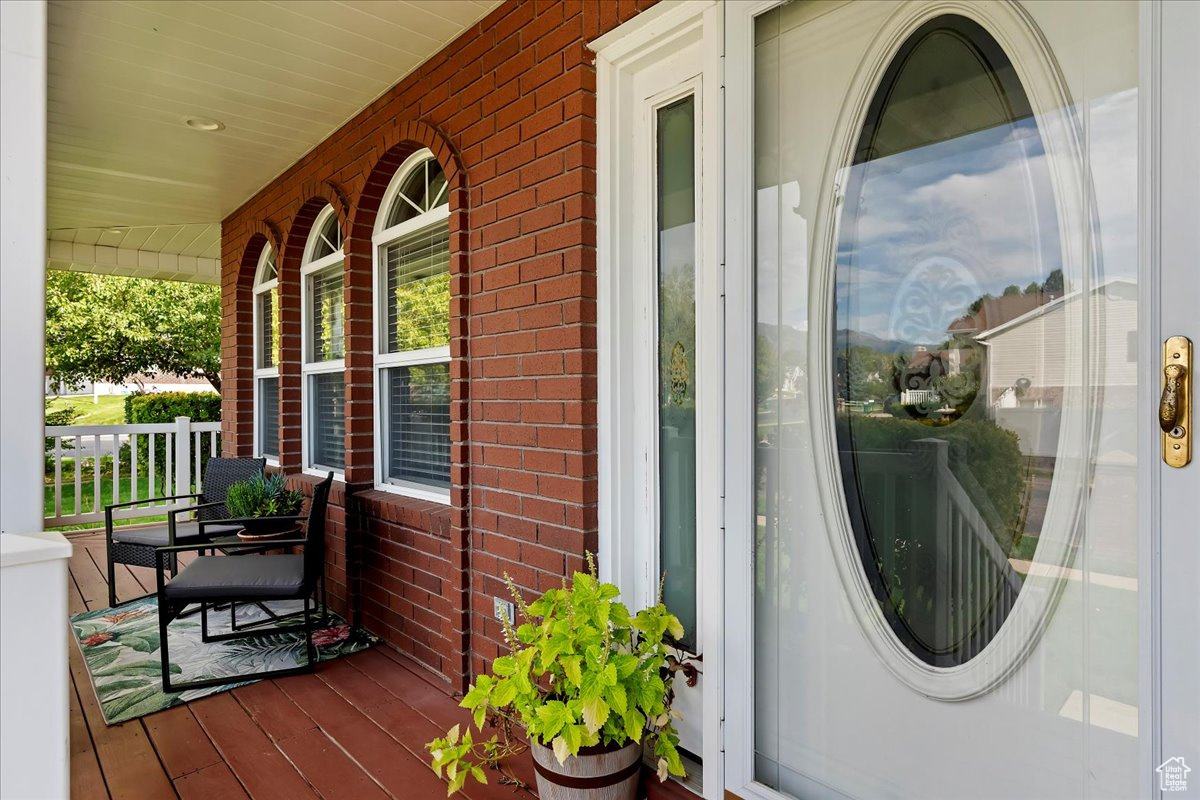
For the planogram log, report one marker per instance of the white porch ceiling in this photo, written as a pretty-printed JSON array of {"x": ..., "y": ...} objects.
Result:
[{"x": 128, "y": 180}]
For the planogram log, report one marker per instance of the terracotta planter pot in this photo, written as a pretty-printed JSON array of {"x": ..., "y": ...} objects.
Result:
[{"x": 597, "y": 773}]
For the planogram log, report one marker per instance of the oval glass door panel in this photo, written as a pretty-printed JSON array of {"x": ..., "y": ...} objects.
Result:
[{"x": 948, "y": 377}]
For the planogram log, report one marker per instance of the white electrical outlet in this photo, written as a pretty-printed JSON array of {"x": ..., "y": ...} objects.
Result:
[{"x": 504, "y": 610}]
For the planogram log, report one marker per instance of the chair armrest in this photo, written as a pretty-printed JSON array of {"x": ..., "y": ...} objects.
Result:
[
  {"x": 188, "y": 509},
  {"x": 185, "y": 548},
  {"x": 149, "y": 500},
  {"x": 242, "y": 520}
]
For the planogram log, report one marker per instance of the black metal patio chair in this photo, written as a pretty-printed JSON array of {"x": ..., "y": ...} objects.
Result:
[
  {"x": 214, "y": 580},
  {"x": 135, "y": 546}
]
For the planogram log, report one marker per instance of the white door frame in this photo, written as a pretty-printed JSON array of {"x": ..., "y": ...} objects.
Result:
[
  {"x": 1170, "y": 194},
  {"x": 627, "y": 505},
  {"x": 1169, "y": 503}
]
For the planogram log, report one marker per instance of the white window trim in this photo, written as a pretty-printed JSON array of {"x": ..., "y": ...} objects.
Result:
[
  {"x": 262, "y": 287},
  {"x": 381, "y": 238},
  {"x": 654, "y": 40},
  {"x": 308, "y": 367}
]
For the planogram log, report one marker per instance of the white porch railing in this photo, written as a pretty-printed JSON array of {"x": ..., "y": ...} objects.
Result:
[{"x": 80, "y": 446}]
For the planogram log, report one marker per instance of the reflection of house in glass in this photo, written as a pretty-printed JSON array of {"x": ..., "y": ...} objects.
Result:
[{"x": 1029, "y": 366}]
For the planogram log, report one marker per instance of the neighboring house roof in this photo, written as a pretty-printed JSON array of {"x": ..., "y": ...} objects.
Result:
[
  {"x": 994, "y": 311},
  {"x": 1117, "y": 285}
]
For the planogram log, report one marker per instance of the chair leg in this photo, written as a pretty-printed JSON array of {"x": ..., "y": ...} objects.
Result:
[
  {"x": 204, "y": 622},
  {"x": 112, "y": 578},
  {"x": 308, "y": 638},
  {"x": 163, "y": 622}
]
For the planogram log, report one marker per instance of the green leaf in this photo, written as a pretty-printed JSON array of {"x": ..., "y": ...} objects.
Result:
[
  {"x": 571, "y": 668},
  {"x": 504, "y": 666},
  {"x": 595, "y": 713},
  {"x": 617, "y": 698},
  {"x": 504, "y": 693},
  {"x": 478, "y": 775},
  {"x": 561, "y": 749},
  {"x": 134, "y": 668},
  {"x": 452, "y": 735},
  {"x": 635, "y": 723}
]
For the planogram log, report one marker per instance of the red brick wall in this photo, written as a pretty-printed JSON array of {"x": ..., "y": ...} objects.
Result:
[{"x": 509, "y": 109}]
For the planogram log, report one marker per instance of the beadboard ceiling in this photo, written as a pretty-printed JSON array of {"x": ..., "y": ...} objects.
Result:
[{"x": 125, "y": 171}]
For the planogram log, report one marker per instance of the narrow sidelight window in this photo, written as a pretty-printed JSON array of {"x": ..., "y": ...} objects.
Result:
[
  {"x": 412, "y": 312},
  {"x": 676, "y": 226}
]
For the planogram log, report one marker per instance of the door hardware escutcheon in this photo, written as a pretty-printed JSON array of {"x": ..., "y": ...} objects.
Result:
[{"x": 1175, "y": 406}]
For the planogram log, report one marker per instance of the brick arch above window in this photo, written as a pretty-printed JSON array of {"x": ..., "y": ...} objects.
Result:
[
  {"x": 262, "y": 233},
  {"x": 394, "y": 144},
  {"x": 318, "y": 195}
]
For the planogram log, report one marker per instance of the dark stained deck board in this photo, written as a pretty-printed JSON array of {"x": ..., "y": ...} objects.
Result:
[
  {"x": 374, "y": 747},
  {"x": 259, "y": 765},
  {"x": 130, "y": 764},
  {"x": 214, "y": 782},
  {"x": 182, "y": 744},
  {"x": 356, "y": 728},
  {"x": 87, "y": 781}
]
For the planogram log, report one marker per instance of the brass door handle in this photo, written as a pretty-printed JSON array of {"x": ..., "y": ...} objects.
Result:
[
  {"x": 1168, "y": 406},
  {"x": 1175, "y": 405}
]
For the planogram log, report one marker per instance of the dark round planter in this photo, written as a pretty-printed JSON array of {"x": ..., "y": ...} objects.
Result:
[
  {"x": 597, "y": 773},
  {"x": 267, "y": 526}
]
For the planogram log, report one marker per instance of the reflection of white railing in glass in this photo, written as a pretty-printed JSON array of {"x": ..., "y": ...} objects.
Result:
[{"x": 112, "y": 453}]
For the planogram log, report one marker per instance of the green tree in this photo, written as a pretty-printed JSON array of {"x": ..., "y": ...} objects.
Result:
[
  {"x": 107, "y": 328},
  {"x": 1011, "y": 290}
]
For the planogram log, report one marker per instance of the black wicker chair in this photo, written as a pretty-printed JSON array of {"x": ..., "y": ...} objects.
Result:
[
  {"x": 135, "y": 546},
  {"x": 228, "y": 580}
]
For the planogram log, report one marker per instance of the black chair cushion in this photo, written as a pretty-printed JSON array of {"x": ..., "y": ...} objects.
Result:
[
  {"x": 248, "y": 577},
  {"x": 185, "y": 533}
]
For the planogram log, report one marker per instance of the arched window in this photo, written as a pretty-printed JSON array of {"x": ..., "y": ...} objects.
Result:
[
  {"x": 412, "y": 331},
  {"x": 266, "y": 356},
  {"x": 324, "y": 365}
]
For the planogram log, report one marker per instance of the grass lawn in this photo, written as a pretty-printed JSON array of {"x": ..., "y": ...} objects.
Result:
[
  {"x": 106, "y": 487},
  {"x": 110, "y": 410}
]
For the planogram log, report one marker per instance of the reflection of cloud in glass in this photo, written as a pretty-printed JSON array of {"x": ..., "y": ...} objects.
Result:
[{"x": 981, "y": 202}]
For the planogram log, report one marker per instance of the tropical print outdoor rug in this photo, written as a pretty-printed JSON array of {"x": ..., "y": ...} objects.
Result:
[{"x": 121, "y": 649}]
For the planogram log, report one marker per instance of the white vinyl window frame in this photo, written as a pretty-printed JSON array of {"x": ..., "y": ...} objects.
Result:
[
  {"x": 266, "y": 280},
  {"x": 662, "y": 55},
  {"x": 309, "y": 366},
  {"x": 380, "y": 240}
]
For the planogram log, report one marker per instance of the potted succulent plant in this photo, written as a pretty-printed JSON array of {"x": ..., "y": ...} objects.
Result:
[
  {"x": 588, "y": 681},
  {"x": 261, "y": 501}
]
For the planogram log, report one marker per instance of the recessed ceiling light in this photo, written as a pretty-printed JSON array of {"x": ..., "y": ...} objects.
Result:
[
  {"x": 204, "y": 124},
  {"x": 114, "y": 230}
]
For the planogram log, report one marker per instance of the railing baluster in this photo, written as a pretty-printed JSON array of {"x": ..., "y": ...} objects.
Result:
[
  {"x": 77, "y": 506},
  {"x": 151, "y": 476},
  {"x": 96, "y": 472},
  {"x": 58, "y": 476},
  {"x": 212, "y": 444},
  {"x": 169, "y": 472},
  {"x": 133, "y": 471},
  {"x": 196, "y": 456},
  {"x": 116, "y": 476}
]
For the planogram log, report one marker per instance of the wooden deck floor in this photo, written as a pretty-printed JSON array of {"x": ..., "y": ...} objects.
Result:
[{"x": 354, "y": 729}]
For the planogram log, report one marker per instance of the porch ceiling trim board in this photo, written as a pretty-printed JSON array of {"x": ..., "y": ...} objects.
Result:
[{"x": 105, "y": 260}]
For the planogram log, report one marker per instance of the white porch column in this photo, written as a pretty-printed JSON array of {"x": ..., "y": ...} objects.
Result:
[{"x": 22, "y": 262}]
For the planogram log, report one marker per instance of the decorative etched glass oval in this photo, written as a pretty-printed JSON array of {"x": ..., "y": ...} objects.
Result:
[{"x": 948, "y": 374}]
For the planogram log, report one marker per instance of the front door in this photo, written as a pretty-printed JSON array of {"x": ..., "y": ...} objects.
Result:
[{"x": 940, "y": 575}]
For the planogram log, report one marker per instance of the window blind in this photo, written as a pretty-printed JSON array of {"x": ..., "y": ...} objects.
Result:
[
  {"x": 418, "y": 408},
  {"x": 327, "y": 420},
  {"x": 418, "y": 290},
  {"x": 268, "y": 416},
  {"x": 268, "y": 329},
  {"x": 327, "y": 333}
]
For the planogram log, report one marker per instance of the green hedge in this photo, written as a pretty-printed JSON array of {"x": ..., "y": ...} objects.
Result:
[
  {"x": 142, "y": 408},
  {"x": 159, "y": 407}
]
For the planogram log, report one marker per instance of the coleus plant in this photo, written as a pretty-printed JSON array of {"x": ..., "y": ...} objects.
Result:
[{"x": 582, "y": 671}]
